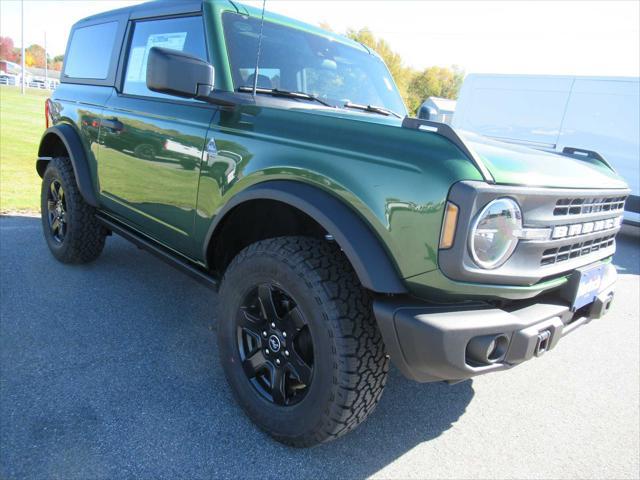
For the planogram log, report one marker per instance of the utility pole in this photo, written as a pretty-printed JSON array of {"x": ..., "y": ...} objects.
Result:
[
  {"x": 46, "y": 63},
  {"x": 24, "y": 71}
]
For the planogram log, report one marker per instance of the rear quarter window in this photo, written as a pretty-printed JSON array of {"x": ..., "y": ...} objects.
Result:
[{"x": 90, "y": 51}]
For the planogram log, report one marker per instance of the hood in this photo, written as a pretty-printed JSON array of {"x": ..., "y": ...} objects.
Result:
[
  {"x": 509, "y": 164},
  {"x": 517, "y": 165}
]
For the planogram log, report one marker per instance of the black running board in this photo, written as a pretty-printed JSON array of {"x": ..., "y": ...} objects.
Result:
[{"x": 161, "y": 252}]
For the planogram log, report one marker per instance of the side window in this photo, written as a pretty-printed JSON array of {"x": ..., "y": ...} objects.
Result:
[
  {"x": 185, "y": 34},
  {"x": 90, "y": 51}
]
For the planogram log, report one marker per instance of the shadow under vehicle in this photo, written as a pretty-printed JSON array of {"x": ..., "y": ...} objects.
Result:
[{"x": 275, "y": 162}]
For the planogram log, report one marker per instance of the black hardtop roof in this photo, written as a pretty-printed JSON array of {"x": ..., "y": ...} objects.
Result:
[{"x": 147, "y": 9}]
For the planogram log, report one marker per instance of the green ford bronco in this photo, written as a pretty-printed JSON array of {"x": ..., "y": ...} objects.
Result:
[{"x": 276, "y": 163}]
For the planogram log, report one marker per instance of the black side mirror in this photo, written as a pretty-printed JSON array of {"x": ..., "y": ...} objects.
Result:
[{"x": 177, "y": 73}]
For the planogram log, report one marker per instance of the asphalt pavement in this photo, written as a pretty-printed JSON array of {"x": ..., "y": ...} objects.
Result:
[{"x": 110, "y": 370}]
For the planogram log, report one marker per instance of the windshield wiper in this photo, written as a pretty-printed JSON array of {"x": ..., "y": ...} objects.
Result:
[
  {"x": 276, "y": 92},
  {"x": 371, "y": 108}
]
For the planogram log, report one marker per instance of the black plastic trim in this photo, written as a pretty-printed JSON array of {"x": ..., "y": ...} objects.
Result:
[
  {"x": 72, "y": 143},
  {"x": 428, "y": 342},
  {"x": 450, "y": 134},
  {"x": 179, "y": 74},
  {"x": 161, "y": 252},
  {"x": 582, "y": 153},
  {"x": 360, "y": 244},
  {"x": 632, "y": 204},
  {"x": 166, "y": 8}
]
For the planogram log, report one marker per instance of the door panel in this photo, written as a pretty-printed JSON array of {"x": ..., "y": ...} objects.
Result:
[
  {"x": 151, "y": 144},
  {"x": 149, "y": 164}
]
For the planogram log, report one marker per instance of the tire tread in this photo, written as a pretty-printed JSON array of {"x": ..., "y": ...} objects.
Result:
[
  {"x": 360, "y": 361},
  {"x": 85, "y": 235}
]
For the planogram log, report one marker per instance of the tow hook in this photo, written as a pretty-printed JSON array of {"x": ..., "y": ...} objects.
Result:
[{"x": 544, "y": 339}]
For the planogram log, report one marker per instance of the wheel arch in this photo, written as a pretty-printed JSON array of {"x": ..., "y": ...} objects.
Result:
[
  {"x": 362, "y": 247},
  {"x": 63, "y": 140}
]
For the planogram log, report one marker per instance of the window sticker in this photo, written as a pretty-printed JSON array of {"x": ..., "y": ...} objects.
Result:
[
  {"x": 137, "y": 71},
  {"x": 174, "y": 41}
]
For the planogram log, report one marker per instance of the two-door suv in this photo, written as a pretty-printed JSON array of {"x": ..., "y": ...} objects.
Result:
[{"x": 276, "y": 162}]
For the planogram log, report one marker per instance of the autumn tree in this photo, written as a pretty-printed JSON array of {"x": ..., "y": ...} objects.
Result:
[
  {"x": 7, "y": 50},
  {"x": 35, "y": 56},
  {"x": 401, "y": 74},
  {"x": 415, "y": 86},
  {"x": 56, "y": 63}
]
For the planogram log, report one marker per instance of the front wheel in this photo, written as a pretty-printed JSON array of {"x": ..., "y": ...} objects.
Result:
[{"x": 298, "y": 341}]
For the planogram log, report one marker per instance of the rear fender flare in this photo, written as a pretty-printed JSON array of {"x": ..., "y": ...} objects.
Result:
[{"x": 73, "y": 145}]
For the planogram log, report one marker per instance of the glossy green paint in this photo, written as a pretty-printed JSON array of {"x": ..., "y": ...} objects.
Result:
[
  {"x": 149, "y": 170},
  {"x": 396, "y": 179},
  {"x": 177, "y": 163},
  {"x": 516, "y": 165},
  {"x": 81, "y": 107}
]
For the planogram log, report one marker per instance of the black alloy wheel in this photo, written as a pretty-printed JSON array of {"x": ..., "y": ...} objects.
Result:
[
  {"x": 57, "y": 211},
  {"x": 70, "y": 226},
  {"x": 298, "y": 341},
  {"x": 275, "y": 345}
]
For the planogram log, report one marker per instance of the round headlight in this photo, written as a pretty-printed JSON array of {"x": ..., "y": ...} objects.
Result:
[{"x": 494, "y": 234}]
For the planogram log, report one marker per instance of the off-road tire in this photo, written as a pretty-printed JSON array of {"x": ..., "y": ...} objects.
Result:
[
  {"x": 350, "y": 363},
  {"x": 85, "y": 237}
]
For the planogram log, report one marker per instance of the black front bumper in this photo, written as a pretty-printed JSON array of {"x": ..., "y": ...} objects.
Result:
[{"x": 432, "y": 342}]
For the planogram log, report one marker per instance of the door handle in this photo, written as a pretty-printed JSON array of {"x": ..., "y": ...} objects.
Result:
[{"x": 112, "y": 124}]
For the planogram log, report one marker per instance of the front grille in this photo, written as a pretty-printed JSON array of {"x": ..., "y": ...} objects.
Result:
[
  {"x": 561, "y": 254},
  {"x": 563, "y": 229},
  {"x": 578, "y": 206}
]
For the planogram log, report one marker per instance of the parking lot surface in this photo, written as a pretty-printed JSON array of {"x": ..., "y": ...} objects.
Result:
[{"x": 110, "y": 370}]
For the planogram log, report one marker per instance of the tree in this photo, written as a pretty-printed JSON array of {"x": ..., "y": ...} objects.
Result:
[
  {"x": 7, "y": 50},
  {"x": 34, "y": 56},
  {"x": 415, "y": 86},
  {"x": 434, "y": 82},
  {"x": 401, "y": 74},
  {"x": 56, "y": 63}
]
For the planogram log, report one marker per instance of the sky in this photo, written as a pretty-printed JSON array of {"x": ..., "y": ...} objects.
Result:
[{"x": 600, "y": 38}]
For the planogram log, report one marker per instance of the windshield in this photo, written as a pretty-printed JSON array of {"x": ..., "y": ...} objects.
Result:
[{"x": 295, "y": 60}]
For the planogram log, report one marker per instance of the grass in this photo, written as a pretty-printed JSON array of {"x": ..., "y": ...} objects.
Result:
[{"x": 21, "y": 126}]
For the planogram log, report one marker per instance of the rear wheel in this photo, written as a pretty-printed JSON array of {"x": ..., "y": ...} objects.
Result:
[
  {"x": 70, "y": 226},
  {"x": 298, "y": 341}
]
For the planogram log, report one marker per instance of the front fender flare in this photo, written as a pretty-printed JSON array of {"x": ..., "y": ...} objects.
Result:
[
  {"x": 363, "y": 248},
  {"x": 72, "y": 143}
]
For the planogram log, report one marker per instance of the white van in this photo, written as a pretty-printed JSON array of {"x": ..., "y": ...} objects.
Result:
[{"x": 587, "y": 116}]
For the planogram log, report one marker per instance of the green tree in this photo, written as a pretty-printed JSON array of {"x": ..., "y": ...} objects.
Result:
[
  {"x": 434, "y": 82},
  {"x": 415, "y": 86}
]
